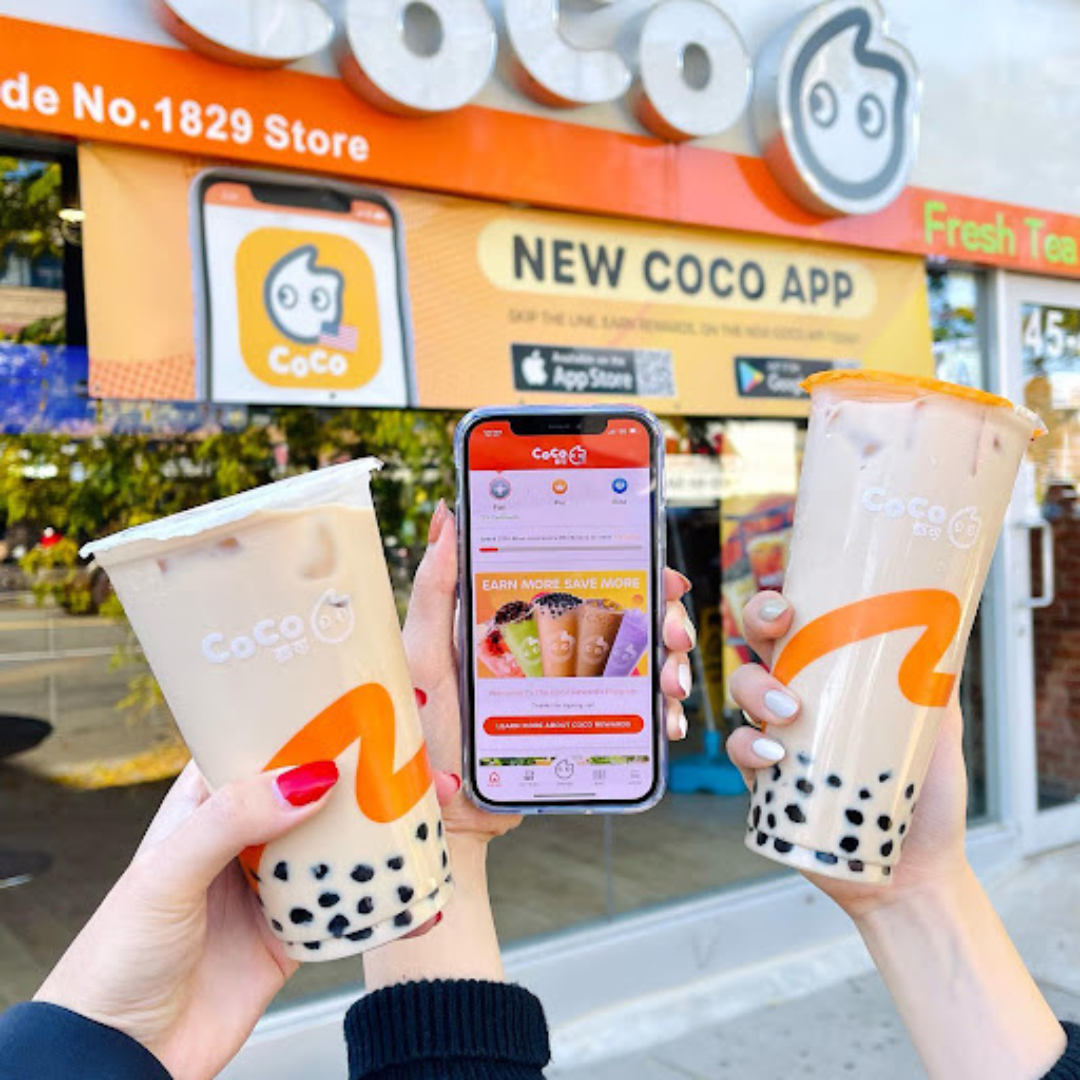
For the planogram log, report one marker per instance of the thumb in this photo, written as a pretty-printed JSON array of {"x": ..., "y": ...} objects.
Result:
[
  {"x": 429, "y": 625},
  {"x": 242, "y": 814}
]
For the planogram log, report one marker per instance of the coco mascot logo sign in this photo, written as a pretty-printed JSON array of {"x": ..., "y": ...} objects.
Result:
[
  {"x": 835, "y": 102},
  {"x": 837, "y": 110}
]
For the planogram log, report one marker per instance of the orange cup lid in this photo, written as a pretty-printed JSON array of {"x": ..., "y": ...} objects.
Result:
[{"x": 924, "y": 384}]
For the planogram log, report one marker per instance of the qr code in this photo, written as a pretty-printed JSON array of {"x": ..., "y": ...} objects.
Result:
[{"x": 655, "y": 375}]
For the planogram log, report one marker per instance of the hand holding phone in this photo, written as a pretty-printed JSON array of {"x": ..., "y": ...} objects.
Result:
[{"x": 562, "y": 604}]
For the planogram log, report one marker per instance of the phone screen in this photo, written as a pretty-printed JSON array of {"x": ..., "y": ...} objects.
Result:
[
  {"x": 302, "y": 296},
  {"x": 560, "y": 542}
]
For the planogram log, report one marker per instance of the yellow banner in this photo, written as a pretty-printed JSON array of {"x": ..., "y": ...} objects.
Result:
[{"x": 244, "y": 286}]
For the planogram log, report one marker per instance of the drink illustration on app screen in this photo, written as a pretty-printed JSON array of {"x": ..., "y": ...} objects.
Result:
[{"x": 561, "y": 619}]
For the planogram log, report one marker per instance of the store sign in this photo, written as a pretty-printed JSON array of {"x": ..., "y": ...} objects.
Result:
[
  {"x": 835, "y": 105},
  {"x": 318, "y": 292}
]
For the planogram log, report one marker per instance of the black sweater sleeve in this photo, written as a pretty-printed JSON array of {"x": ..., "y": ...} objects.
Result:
[
  {"x": 46, "y": 1042},
  {"x": 1068, "y": 1068},
  {"x": 447, "y": 1030}
]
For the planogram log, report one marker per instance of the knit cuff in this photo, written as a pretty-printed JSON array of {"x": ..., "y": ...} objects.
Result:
[
  {"x": 483, "y": 1029},
  {"x": 1068, "y": 1066}
]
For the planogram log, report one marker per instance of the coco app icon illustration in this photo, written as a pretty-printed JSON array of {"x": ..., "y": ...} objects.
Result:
[
  {"x": 308, "y": 310},
  {"x": 836, "y": 109}
]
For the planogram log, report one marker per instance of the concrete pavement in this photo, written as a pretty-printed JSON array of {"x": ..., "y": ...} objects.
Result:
[{"x": 849, "y": 1027}]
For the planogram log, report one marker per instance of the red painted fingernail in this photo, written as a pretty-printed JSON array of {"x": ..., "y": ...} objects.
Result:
[
  {"x": 457, "y": 780},
  {"x": 437, "y": 521},
  {"x": 438, "y": 919},
  {"x": 421, "y": 697},
  {"x": 307, "y": 783}
]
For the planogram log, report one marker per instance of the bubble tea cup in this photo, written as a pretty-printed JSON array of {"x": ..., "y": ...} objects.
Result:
[
  {"x": 269, "y": 622},
  {"x": 904, "y": 486}
]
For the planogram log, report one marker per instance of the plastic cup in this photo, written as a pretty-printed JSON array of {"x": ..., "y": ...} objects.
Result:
[
  {"x": 630, "y": 644},
  {"x": 517, "y": 624},
  {"x": 904, "y": 486},
  {"x": 269, "y": 623},
  {"x": 598, "y": 626}
]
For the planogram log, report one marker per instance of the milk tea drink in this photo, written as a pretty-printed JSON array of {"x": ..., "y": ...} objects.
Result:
[
  {"x": 557, "y": 623},
  {"x": 598, "y": 626},
  {"x": 269, "y": 622},
  {"x": 904, "y": 486}
]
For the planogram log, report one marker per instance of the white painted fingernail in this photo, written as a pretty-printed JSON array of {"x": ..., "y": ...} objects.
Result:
[
  {"x": 781, "y": 704},
  {"x": 773, "y": 609},
  {"x": 768, "y": 749},
  {"x": 676, "y": 710},
  {"x": 685, "y": 679},
  {"x": 683, "y": 726},
  {"x": 691, "y": 633}
]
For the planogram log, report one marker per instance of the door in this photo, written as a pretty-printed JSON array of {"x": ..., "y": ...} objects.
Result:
[{"x": 1039, "y": 560}]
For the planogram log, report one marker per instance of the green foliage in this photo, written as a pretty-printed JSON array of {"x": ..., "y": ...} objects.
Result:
[
  {"x": 29, "y": 207},
  {"x": 50, "y": 330},
  {"x": 55, "y": 573}
]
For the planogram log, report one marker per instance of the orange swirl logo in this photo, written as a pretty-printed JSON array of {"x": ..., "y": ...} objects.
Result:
[
  {"x": 365, "y": 713},
  {"x": 935, "y": 610}
]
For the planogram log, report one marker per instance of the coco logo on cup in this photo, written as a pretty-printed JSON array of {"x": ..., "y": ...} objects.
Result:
[
  {"x": 930, "y": 519},
  {"x": 841, "y": 132},
  {"x": 576, "y": 455},
  {"x": 332, "y": 621}
]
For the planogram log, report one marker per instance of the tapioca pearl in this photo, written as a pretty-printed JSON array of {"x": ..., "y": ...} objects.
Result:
[
  {"x": 782, "y": 845},
  {"x": 300, "y": 916},
  {"x": 769, "y": 796},
  {"x": 360, "y": 935},
  {"x": 445, "y": 859},
  {"x": 794, "y": 813},
  {"x": 804, "y": 757},
  {"x": 365, "y": 906},
  {"x": 448, "y": 879},
  {"x": 865, "y": 793},
  {"x": 314, "y": 946},
  {"x": 761, "y": 838},
  {"x": 826, "y": 857},
  {"x": 849, "y": 844},
  {"x": 833, "y": 780},
  {"x": 883, "y": 777},
  {"x": 277, "y": 926},
  {"x": 903, "y": 828},
  {"x": 854, "y": 816},
  {"x": 422, "y": 831},
  {"x": 777, "y": 772},
  {"x": 886, "y": 848},
  {"x": 439, "y": 830},
  {"x": 338, "y": 925},
  {"x": 361, "y": 872},
  {"x": 771, "y": 819},
  {"x": 884, "y": 823},
  {"x": 281, "y": 871},
  {"x": 753, "y": 790},
  {"x": 329, "y": 899},
  {"x": 403, "y": 919},
  {"x": 909, "y": 791},
  {"x": 857, "y": 865},
  {"x": 756, "y": 816},
  {"x": 396, "y": 863},
  {"x": 320, "y": 870},
  {"x": 749, "y": 828},
  {"x": 804, "y": 786},
  {"x": 405, "y": 893}
]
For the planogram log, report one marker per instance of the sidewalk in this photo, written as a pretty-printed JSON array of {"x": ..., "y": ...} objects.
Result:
[{"x": 850, "y": 1028}]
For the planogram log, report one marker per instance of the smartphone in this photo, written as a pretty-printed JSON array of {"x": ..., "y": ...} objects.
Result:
[
  {"x": 300, "y": 291},
  {"x": 561, "y": 548}
]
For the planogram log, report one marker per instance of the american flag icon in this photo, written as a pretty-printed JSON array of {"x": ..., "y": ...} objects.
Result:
[{"x": 343, "y": 338}]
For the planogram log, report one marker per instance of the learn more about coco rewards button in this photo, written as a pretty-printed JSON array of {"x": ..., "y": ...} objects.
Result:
[{"x": 563, "y": 725}]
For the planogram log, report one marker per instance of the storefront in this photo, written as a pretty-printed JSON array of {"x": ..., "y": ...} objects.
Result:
[{"x": 533, "y": 212}]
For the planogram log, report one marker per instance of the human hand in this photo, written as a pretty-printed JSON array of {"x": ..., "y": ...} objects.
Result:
[
  {"x": 179, "y": 956},
  {"x": 934, "y": 847}
]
